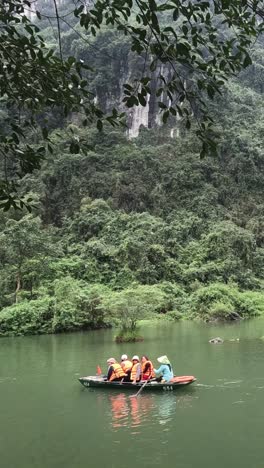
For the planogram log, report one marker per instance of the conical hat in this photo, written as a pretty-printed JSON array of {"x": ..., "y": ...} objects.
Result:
[{"x": 163, "y": 360}]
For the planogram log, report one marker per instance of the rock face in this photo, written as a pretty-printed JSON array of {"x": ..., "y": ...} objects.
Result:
[
  {"x": 125, "y": 69},
  {"x": 39, "y": 5},
  {"x": 216, "y": 340},
  {"x": 138, "y": 116},
  {"x": 150, "y": 116},
  {"x": 111, "y": 95}
]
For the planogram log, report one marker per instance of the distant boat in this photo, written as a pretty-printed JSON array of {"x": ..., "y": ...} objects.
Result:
[{"x": 176, "y": 383}]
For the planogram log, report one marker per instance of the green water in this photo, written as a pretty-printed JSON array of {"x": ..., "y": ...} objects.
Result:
[{"x": 48, "y": 420}]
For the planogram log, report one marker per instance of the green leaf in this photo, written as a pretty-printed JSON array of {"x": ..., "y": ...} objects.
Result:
[
  {"x": 153, "y": 65},
  {"x": 210, "y": 91},
  {"x": 173, "y": 111},
  {"x": 152, "y": 5},
  {"x": 247, "y": 61},
  {"x": 175, "y": 14},
  {"x": 74, "y": 147},
  {"x": 165, "y": 116},
  {"x": 142, "y": 100},
  {"x": 188, "y": 124},
  {"x": 182, "y": 49},
  {"x": 185, "y": 30},
  {"x": 128, "y": 87},
  {"x": 131, "y": 101},
  {"x": 99, "y": 125},
  {"x": 155, "y": 22},
  {"x": 45, "y": 133}
]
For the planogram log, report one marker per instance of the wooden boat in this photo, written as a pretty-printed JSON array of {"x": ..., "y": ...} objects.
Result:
[{"x": 174, "y": 384}]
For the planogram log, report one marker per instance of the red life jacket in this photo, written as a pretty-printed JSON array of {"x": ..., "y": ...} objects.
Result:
[{"x": 147, "y": 370}]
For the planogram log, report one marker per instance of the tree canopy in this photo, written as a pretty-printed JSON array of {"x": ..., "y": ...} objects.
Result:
[{"x": 190, "y": 48}]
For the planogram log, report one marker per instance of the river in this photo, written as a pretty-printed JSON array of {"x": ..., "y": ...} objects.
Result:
[{"x": 48, "y": 420}]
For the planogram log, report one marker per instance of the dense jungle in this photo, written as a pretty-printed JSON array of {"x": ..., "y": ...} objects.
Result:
[{"x": 138, "y": 224}]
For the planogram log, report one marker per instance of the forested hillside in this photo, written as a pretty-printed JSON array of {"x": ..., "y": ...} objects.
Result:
[{"x": 139, "y": 223}]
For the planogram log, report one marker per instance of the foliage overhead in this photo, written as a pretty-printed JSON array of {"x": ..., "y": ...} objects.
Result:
[
  {"x": 181, "y": 44},
  {"x": 33, "y": 81},
  {"x": 189, "y": 48}
]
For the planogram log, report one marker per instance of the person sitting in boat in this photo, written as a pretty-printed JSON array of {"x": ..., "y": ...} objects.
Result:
[
  {"x": 135, "y": 375},
  {"x": 165, "y": 370},
  {"x": 126, "y": 365},
  {"x": 115, "y": 371},
  {"x": 147, "y": 369}
]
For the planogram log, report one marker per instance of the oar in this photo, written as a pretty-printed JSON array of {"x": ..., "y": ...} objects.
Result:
[{"x": 141, "y": 388}]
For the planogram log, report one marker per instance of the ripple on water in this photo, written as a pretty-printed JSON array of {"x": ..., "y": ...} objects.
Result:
[
  {"x": 234, "y": 382},
  {"x": 7, "y": 379}
]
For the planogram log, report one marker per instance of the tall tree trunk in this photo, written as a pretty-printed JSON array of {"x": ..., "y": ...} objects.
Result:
[{"x": 18, "y": 287}]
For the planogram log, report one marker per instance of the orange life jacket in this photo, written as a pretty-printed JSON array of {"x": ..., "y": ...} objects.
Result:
[
  {"x": 117, "y": 372},
  {"x": 126, "y": 365},
  {"x": 147, "y": 373},
  {"x": 134, "y": 372}
]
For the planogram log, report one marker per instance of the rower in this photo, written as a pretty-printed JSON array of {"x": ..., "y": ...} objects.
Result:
[
  {"x": 147, "y": 368},
  {"x": 165, "y": 370}
]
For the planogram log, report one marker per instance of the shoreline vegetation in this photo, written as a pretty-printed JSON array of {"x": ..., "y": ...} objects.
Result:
[
  {"x": 215, "y": 303},
  {"x": 136, "y": 336}
]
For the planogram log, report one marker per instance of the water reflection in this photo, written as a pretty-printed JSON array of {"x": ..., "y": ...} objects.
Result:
[
  {"x": 166, "y": 408},
  {"x": 127, "y": 411},
  {"x": 146, "y": 410},
  {"x": 120, "y": 410}
]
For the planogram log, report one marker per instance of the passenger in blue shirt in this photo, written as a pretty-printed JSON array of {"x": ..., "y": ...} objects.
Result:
[{"x": 165, "y": 370}]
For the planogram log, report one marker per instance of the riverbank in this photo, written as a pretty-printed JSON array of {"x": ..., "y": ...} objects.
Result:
[{"x": 98, "y": 307}]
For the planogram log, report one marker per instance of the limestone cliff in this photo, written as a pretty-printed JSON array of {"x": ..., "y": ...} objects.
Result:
[{"x": 113, "y": 64}]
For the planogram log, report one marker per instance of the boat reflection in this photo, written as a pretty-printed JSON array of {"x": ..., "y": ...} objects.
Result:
[
  {"x": 119, "y": 405},
  {"x": 166, "y": 408},
  {"x": 132, "y": 412}
]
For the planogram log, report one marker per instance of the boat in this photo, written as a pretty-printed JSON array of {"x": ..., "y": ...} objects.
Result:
[{"x": 176, "y": 383}]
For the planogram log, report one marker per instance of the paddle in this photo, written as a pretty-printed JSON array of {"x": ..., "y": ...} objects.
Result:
[{"x": 141, "y": 388}]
